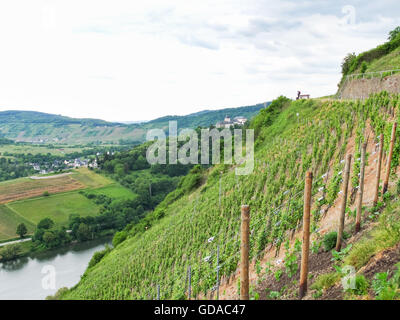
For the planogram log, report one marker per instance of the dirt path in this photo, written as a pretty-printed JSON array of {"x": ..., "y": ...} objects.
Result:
[{"x": 51, "y": 177}]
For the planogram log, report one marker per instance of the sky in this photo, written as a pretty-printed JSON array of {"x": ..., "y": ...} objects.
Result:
[{"x": 126, "y": 60}]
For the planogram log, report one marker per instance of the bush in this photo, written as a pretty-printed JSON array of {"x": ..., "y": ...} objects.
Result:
[
  {"x": 97, "y": 256},
  {"x": 119, "y": 237},
  {"x": 10, "y": 252},
  {"x": 329, "y": 240},
  {"x": 46, "y": 194},
  {"x": 364, "y": 67}
]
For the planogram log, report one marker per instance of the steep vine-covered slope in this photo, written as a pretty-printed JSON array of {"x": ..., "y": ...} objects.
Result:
[{"x": 291, "y": 138}]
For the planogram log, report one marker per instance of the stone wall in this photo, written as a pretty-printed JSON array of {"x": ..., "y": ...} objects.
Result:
[{"x": 361, "y": 88}]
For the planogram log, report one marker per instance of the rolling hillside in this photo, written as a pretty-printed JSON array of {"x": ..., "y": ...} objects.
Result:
[{"x": 36, "y": 127}]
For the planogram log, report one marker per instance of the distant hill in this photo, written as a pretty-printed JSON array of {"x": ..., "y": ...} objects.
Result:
[{"x": 38, "y": 127}]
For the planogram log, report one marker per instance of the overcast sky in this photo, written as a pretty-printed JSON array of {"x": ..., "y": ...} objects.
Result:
[{"x": 137, "y": 60}]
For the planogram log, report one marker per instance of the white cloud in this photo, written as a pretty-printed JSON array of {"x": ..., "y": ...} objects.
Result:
[{"x": 129, "y": 60}]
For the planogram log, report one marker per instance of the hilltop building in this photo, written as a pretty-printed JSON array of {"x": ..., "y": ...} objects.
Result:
[{"x": 228, "y": 122}]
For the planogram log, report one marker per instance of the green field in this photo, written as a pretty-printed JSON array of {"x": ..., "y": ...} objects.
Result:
[
  {"x": 39, "y": 149},
  {"x": 30, "y": 206},
  {"x": 58, "y": 207},
  {"x": 9, "y": 221},
  {"x": 115, "y": 191},
  {"x": 91, "y": 179}
]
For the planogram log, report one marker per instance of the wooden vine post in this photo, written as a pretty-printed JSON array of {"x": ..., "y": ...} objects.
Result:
[
  {"x": 344, "y": 203},
  {"x": 361, "y": 187},
  {"x": 306, "y": 235},
  {"x": 244, "y": 254},
  {"x": 389, "y": 160},
  {"x": 378, "y": 170}
]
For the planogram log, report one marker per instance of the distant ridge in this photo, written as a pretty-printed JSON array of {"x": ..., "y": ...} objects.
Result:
[{"x": 39, "y": 127}]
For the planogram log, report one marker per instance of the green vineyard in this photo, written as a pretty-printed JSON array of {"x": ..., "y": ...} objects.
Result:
[{"x": 201, "y": 229}]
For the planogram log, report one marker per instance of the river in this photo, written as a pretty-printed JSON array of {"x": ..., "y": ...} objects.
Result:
[{"x": 36, "y": 277}]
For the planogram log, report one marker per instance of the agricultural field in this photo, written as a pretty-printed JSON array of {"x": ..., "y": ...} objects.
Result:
[
  {"x": 115, "y": 191},
  {"x": 25, "y": 188},
  {"x": 58, "y": 207},
  {"x": 39, "y": 149},
  {"x": 23, "y": 200},
  {"x": 9, "y": 221},
  {"x": 91, "y": 179}
]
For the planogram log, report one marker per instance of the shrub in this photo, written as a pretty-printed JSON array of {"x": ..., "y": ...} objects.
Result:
[
  {"x": 10, "y": 252},
  {"x": 97, "y": 256},
  {"x": 329, "y": 240},
  {"x": 46, "y": 194},
  {"x": 364, "y": 67},
  {"x": 386, "y": 289},
  {"x": 361, "y": 286},
  {"x": 119, "y": 237}
]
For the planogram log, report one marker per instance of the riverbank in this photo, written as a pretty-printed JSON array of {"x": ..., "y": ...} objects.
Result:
[
  {"x": 29, "y": 277},
  {"x": 26, "y": 248}
]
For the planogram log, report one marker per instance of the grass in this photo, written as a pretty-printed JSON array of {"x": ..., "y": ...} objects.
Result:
[
  {"x": 388, "y": 62},
  {"x": 325, "y": 281},
  {"x": 385, "y": 235},
  {"x": 9, "y": 222},
  {"x": 91, "y": 179},
  {"x": 115, "y": 191},
  {"x": 58, "y": 207}
]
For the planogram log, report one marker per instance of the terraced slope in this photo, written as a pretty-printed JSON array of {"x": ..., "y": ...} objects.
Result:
[{"x": 292, "y": 137}]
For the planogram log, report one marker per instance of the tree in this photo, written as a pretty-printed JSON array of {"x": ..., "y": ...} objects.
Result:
[
  {"x": 50, "y": 239},
  {"x": 22, "y": 230},
  {"x": 394, "y": 33},
  {"x": 10, "y": 252},
  {"x": 347, "y": 62},
  {"x": 83, "y": 232},
  {"x": 45, "y": 223}
]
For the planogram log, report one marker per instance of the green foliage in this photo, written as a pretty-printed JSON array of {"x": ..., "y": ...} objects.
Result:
[
  {"x": 347, "y": 62},
  {"x": 361, "y": 286},
  {"x": 119, "y": 237},
  {"x": 329, "y": 240},
  {"x": 394, "y": 33},
  {"x": 266, "y": 116},
  {"x": 325, "y": 281},
  {"x": 98, "y": 255},
  {"x": 364, "y": 67},
  {"x": 385, "y": 288},
  {"x": 158, "y": 251},
  {"x": 22, "y": 230},
  {"x": 274, "y": 295},
  {"x": 45, "y": 223},
  {"x": 10, "y": 252},
  {"x": 46, "y": 194},
  {"x": 339, "y": 256}
]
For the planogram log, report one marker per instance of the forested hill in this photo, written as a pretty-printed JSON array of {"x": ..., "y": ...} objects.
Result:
[
  {"x": 208, "y": 117},
  {"x": 38, "y": 127}
]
